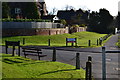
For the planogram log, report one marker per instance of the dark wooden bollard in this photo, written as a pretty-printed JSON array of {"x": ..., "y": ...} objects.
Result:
[
  {"x": 23, "y": 41},
  {"x": 89, "y": 58},
  {"x": 13, "y": 52},
  {"x": 89, "y": 43},
  {"x": 66, "y": 42},
  {"x": 77, "y": 61},
  {"x": 97, "y": 42},
  {"x": 54, "y": 54},
  {"x": 88, "y": 70},
  {"x": 48, "y": 42}
]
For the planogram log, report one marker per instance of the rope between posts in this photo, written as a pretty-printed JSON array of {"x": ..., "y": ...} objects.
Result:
[{"x": 71, "y": 60}]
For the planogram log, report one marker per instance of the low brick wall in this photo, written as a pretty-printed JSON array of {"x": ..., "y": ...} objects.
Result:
[{"x": 29, "y": 32}]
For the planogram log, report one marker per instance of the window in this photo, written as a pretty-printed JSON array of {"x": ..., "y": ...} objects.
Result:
[{"x": 17, "y": 10}]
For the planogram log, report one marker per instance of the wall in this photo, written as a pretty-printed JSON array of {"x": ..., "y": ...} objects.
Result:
[
  {"x": 30, "y": 32},
  {"x": 29, "y": 25}
]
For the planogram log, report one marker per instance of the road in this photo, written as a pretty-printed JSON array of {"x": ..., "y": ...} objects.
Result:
[{"x": 67, "y": 55}]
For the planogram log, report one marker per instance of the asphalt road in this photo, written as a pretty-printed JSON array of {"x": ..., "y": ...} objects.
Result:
[{"x": 67, "y": 55}]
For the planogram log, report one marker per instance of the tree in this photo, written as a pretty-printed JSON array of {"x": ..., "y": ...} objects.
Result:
[
  {"x": 100, "y": 22},
  {"x": 63, "y": 22},
  {"x": 118, "y": 20},
  {"x": 67, "y": 7},
  {"x": 5, "y": 10},
  {"x": 30, "y": 10},
  {"x": 54, "y": 10}
]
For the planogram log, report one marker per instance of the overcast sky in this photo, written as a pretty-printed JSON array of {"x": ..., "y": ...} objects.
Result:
[{"x": 93, "y": 5}]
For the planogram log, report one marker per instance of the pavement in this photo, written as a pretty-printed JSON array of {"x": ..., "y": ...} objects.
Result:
[{"x": 67, "y": 55}]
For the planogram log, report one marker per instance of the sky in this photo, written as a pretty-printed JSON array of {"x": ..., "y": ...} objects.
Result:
[{"x": 93, "y": 5}]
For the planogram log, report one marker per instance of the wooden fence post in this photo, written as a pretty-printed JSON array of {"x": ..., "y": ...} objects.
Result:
[
  {"x": 77, "y": 61},
  {"x": 97, "y": 42},
  {"x": 48, "y": 42},
  {"x": 54, "y": 54},
  {"x": 89, "y": 43},
  {"x": 76, "y": 41},
  {"x": 6, "y": 47},
  {"x": 89, "y": 58},
  {"x": 19, "y": 49},
  {"x": 66, "y": 42},
  {"x": 103, "y": 64},
  {"x": 13, "y": 52},
  {"x": 88, "y": 70},
  {"x": 23, "y": 41}
]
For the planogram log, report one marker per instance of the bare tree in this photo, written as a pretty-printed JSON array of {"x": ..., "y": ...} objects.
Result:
[
  {"x": 67, "y": 7},
  {"x": 53, "y": 11}
]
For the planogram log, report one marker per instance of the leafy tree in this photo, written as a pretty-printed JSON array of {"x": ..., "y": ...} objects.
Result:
[
  {"x": 5, "y": 10},
  {"x": 30, "y": 10},
  {"x": 63, "y": 22},
  {"x": 118, "y": 20},
  {"x": 100, "y": 22}
]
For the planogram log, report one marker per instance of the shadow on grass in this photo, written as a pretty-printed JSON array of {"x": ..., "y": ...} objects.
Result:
[
  {"x": 9, "y": 61},
  {"x": 57, "y": 71},
  {"x": 42, "y": 79},
  {"x": 6, "y": 56},
  {"x": 34, "y": 63}
]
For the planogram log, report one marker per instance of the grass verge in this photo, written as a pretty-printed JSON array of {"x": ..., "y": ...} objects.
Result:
[
  {"x": 19, "y": 67},
  {"x": 58, "y": 40},
  {"x": 118, "y": 43}
]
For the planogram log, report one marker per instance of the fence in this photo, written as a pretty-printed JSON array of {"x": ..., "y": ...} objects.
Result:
[{"x": 29, "y": 25}]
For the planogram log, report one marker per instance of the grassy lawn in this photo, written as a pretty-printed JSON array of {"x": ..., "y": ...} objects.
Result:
[
  {"x": 19, "y": 67},
  {"x": 58, "y": 40},
  {"x": 118, "y": 43}
]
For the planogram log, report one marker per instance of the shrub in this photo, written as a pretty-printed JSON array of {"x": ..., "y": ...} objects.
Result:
[{"x": 23, "y": 20}]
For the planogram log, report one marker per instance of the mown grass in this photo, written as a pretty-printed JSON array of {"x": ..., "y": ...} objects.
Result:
[
  {"x": 58, "y": 40},
  {"x": 19, "y": 67},
  {"x": 118, "y": 43}
]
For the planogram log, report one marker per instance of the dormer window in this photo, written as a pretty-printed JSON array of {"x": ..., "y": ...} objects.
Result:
[{"x": 17, "y": 10}]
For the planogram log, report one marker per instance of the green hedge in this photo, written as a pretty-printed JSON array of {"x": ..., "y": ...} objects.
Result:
[{"x": 24, "y": 20}]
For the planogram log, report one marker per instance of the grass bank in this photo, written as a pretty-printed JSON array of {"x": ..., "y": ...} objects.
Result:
[
  {"x": 19, "y": 67},
  {"x": 118, "y": 43},
  {"x": 58, "y": 40}
]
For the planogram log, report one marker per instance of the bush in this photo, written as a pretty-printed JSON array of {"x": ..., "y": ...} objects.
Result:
[{"x": 23, "y": 20}]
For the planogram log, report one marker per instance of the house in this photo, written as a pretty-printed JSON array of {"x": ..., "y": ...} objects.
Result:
[
  {"x": 18, "y": 9},
  {"x": 73, "y": 16},
  {"x": 52, "y": 18}
]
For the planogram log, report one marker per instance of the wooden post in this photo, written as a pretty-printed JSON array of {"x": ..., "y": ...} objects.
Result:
[
  {"x": 72, "y": 44},
  {"x": 6, "y": 47},
  {"x": 13, "y": 52},
  {"x": 89, "y": 43},
  {"x": 77, "y": 61},
  {"x": 19, "y": 49},
  {"x": 89, "y": 58},
  {"x": 54, "y": 54},
  {"x": 66, "y": 42},
  {"x": 103, "y": 64},
  {"x": 88, "y": 71},
  {"x": 23, "y": 41},
  {"x": 48, "y": 42},
  {"x": 76, "y": 41},
  {"x": 97, "y": 42}
]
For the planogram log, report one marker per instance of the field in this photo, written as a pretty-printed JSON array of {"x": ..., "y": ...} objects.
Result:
[
  {"x": 58, "y": 40},
  {"x": 19, "y": 67}
]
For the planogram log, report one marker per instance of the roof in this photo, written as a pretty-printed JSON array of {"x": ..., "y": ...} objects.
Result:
[
  {"x": 48, "y": 17},
  {"x": 62, "y": 14}
]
